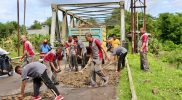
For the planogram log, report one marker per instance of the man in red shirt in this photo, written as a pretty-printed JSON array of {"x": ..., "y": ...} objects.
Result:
[
  {"x": 96, "y": 60},
  {"x": 143, "y": 50},
  {"x": 53, "y": 61},
  {"x": 28, "y": 52}
]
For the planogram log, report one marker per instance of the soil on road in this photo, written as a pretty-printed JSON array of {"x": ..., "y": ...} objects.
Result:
[{"x": 74, "y": 86}]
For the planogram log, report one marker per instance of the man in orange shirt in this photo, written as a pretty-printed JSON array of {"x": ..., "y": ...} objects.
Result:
[{"x": 114, "y": 41}]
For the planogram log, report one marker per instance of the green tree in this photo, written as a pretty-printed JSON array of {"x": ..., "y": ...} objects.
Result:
[
  {"x": 93, "y": 21},
  {"x": 170, "y": 27},
  {"x": 36, "y": 25},
  {"x": 7, "y": 29}
]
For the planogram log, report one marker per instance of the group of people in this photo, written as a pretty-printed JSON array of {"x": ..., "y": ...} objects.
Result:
[{"x": 50, "y": 65}]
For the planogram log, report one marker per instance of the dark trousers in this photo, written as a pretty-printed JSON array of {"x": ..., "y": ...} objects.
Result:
[
  {"x": 37, "y": 84},
  {"x": 73, "y": 62},
  {"x": 84, "y": 60},
  {"x": 121, "y": 60},
  {"x": 144, "y": 61}
]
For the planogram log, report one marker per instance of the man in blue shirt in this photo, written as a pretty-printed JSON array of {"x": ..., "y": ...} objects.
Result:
[{"x": 44, "y": 48}]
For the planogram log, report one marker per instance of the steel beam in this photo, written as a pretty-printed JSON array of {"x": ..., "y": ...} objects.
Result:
[
  {"x": 64, "y": 26},
  {"x": 58, "y": 33},
  {"x": 96, "y": 17},
  {"x": 89, "y": 4},
  {"x": 72, "y": 24},
  {"x": 79, "y": 9},
  {"x": 78, "y": 22},
  {"x": 95, "y": 14},
  {"x": 122, "y": 24},
  {"x": 53, "y": 25},
  {"x": 68, "y": 13},
  {"x": 94, "y": 11}
]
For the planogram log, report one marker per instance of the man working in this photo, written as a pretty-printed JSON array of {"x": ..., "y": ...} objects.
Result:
[
  {"x": 38, "y": 72},
  {"x": 53, "y": 61},
  {"x": 96, "y": 60},
  {"x": 143, "y": 45},
  {"x": 71, "y": 51},
  {"x": 28, "y": 52},
  {"x": 121, "y": 52},
  {"x": 81, "y": 50}
]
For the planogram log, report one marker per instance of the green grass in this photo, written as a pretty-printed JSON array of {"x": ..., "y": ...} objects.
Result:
[
  {"x": 164, "y": 79},
  {"x": 123, "y": 87}
]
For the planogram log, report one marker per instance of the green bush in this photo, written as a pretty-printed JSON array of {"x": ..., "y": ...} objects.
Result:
[
  {"x": 169, "y": 45},
  {"x": 37, "y": 40},
  {"x": 154, "y": 46},
  {"x": 172, "y": 54}
]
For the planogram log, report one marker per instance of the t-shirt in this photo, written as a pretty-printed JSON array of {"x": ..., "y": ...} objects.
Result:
[
  {"x": 115, "y": 43},
  {"x": 51, "y": 56},
  {"x": 34, "y": 70},
  {"x": 95, "y": 45},
  {"x": 45, "y": 48},
  {"x": 28, "y": 47},
  {"x": 69, "y": 45},
  {"x": 118, "y": 50},
  {"x": 144, "y": 39},
  {"x": 81, "y": 46}
]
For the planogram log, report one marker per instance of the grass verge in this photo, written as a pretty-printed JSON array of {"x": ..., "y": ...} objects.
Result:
[{"x": 162, "y": 82}]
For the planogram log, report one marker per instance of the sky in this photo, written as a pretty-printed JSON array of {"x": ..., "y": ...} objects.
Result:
[{"x": 41, "y": 9}]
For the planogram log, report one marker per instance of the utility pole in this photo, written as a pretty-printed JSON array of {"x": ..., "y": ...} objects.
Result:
[
  {"x": 132, "y": 26},
  {"x": 134, "y": 17},
  {"x": 18, "y": 27}
]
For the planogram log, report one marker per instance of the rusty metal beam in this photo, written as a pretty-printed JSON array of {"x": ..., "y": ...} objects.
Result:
[
  {"x": 95, "y": 14},
  {"x": 55, "y": 6},
  {"x": 105, "y": 10},
  {"x": 78, "y": 9},
  {"x": 89, "y": 4}
]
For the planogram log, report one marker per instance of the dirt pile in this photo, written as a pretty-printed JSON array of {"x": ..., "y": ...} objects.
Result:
[{"x": 78, "y": 80}]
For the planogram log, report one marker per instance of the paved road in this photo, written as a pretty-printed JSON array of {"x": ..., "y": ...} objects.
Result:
[{"x": 11, "y": 85}]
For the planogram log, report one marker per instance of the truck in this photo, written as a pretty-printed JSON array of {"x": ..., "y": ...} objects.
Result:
[{"x": 99, "y": 33}]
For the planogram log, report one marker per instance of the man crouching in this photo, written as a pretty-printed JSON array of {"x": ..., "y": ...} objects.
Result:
[{"x": 38, "y": 72}]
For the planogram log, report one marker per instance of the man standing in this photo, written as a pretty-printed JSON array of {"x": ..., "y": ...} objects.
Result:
[
  {"x": 143, "y": 50},
  {"x": 38, "y": 72},
  {"x": 81, "y": 50},
  {"x": 53, "y": 59},
  {"x": 96, "y": 60},
  {"x": 121, "y": 52},
  {"x": 71, "y": 51},
  {"x": 114, "y": 41},
  {"x": 28, "y": 52}
]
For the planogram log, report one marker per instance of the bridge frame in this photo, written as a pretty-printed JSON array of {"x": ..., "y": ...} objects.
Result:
[{"x": 62, "y": 36}]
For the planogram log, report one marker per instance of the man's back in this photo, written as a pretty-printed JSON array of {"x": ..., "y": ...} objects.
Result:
[{"x": 34, "y": 69}]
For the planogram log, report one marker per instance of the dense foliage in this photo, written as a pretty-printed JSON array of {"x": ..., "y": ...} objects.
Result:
[{"x": 165, "y": 30}]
